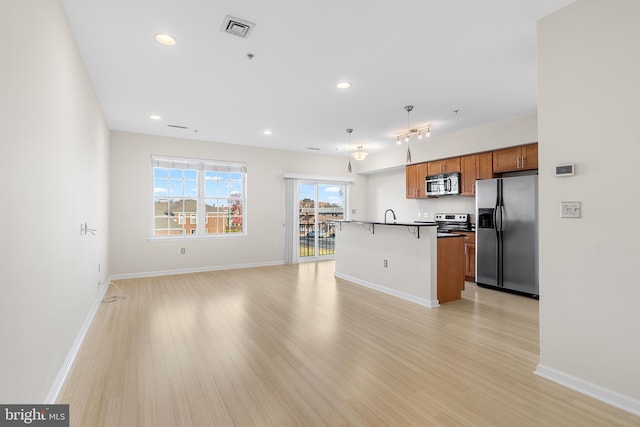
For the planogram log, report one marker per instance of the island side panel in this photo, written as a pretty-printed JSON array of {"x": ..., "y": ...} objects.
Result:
[{"x": 411, "y": 271}]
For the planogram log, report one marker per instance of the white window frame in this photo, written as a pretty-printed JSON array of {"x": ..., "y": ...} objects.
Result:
[{"x": 200, "y": 166}]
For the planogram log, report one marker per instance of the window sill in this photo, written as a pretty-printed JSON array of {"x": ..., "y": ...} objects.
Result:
[{"x": 207, "y": 237}]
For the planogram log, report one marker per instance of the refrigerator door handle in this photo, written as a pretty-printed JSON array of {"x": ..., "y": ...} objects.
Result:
[
  {"x": 497, "y": 220},
  {"x": 496, "y": 226},
  {"x": 499, "y": 229}
]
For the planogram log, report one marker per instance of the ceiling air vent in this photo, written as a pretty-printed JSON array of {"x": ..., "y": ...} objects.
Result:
[{"x": 236, "y": 26}]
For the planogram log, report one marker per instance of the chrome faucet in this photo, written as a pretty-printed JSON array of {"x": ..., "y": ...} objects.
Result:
[{"x": 392, "y": 213}]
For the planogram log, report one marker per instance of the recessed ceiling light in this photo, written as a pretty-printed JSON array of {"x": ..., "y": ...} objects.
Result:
[
  {"x": 268, "y": 132},
  {"x": 155, "y": 117},
  {"x": 165, "y": 39},
  {"x": 343, "y": 85}
]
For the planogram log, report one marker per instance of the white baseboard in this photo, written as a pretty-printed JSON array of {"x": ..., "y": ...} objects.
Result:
[
  {"x": 60, "y": 379},
  {"x": 613, "y": 398},
  {"x": 193, "y": 270},
  {"x": 389, "y": 291}
]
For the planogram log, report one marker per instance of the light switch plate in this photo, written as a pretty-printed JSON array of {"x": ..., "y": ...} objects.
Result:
[{"x": 570, "y": 210}]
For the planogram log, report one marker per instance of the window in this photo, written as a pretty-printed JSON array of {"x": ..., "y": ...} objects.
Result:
[{"x": 194, "y": 197}]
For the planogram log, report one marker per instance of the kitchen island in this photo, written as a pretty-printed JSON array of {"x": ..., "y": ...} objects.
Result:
[{"x": 400, "y": 259}]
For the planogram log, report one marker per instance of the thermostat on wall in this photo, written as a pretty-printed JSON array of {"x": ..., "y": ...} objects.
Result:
[{"x": 565, "y": 169}]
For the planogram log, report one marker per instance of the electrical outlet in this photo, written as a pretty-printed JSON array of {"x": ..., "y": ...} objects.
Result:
[
  {"x": 183, "y": 251},
  {"x": 386, "y": 263},
  {"x": 353, "y": 211},
  {"x": 425, "y": 215}
]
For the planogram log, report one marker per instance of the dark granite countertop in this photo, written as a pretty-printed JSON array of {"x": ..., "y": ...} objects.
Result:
[
  {"x": 403, "y": 224},
  {"x": 445, "y": 235}
]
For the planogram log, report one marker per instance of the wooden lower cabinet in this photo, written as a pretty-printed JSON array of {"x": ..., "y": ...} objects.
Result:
[
  {"x": 469, "y": 255},
  {"x": 470, "y": 262},
  {"x": 450, "y": 268}
]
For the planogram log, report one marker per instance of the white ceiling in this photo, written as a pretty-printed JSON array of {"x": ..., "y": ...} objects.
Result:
[{"x": 478, "y": 57}]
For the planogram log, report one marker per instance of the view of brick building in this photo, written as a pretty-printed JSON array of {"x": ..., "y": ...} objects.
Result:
[{"x": 180, "y": 217}]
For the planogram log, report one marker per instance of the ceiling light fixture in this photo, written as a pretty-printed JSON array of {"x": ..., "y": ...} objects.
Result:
[
  {"x": 424, "y": 131},
  {"x": 359, "y": 155},
  {"x": 268, "y": 132},
  {"x": 155, "y": 117},
  {"x": 343, "y": 85},
  {"x": 165, "y": 39}
]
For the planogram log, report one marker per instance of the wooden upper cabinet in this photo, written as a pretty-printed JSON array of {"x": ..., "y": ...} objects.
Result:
[
  {"x": 484, "y": 165},
  {"x": 524, "y": 157},
  {"x": 468, "y": 175},
  {"x": 444, "y": 166},
  {"x": 415, "y": 176},
  {"x": 529, "y": 156},
  {"x": 473, "y": 167}
]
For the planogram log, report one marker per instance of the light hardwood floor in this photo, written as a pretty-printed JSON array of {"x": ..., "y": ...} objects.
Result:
[{"x": 293, "y": 346}]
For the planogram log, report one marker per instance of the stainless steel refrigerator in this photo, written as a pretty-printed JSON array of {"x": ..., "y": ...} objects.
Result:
[{"x": 507, "y": 233}]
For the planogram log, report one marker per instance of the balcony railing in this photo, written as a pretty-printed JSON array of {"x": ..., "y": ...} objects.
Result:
[{"x": 326, "y": 238}]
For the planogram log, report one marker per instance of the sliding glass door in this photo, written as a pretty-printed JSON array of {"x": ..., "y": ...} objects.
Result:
[{"x": 319, "y": 205}]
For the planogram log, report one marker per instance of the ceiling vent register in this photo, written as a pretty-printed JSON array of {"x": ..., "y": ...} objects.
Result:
[{"x": 236, "y": 26}]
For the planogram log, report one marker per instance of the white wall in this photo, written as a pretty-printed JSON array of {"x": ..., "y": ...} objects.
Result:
[
  {"x": 523, "y": 130},
  {"x": 411, "y": 269},
  {"x": 133, "y": 253},
  {"x": 386, "y": 171},
  {"x": 387, "y": 191},
  {"x": 53, "y": 168},
  {"x": 589, "y": 91}
]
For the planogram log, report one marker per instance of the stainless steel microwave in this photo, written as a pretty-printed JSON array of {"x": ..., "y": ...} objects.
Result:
[{"x": 443, "y": 184}]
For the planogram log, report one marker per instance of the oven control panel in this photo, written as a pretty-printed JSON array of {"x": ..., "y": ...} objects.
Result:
[{"x": 445, "y": 217}]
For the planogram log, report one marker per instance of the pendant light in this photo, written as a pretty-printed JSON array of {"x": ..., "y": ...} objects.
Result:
[
  {"x": 424, "y": 131},
  {"x": 408, "y": 108},
  {"x": 360, "y": 155},
  {"x": 349, "y": 170}
]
